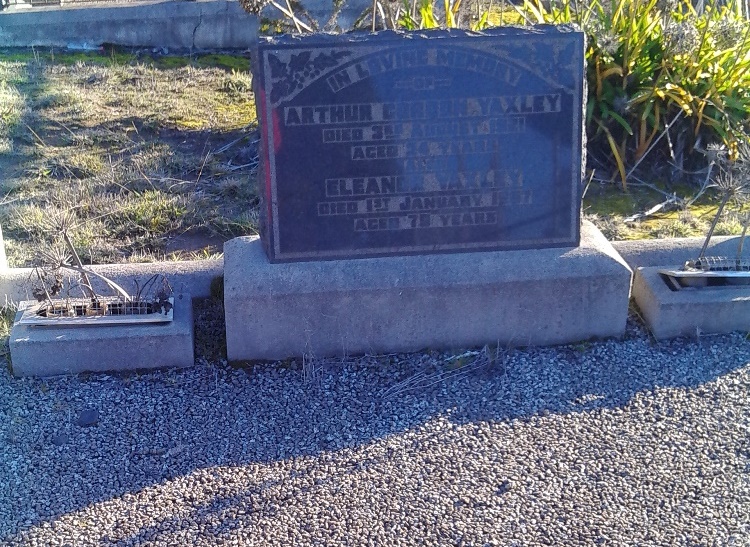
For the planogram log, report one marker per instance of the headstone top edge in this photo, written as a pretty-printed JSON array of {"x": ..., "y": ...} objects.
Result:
[{"x": 357, "y": 36}]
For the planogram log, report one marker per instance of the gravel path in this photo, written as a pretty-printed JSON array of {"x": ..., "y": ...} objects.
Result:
[{"x": 612, "y": 443}]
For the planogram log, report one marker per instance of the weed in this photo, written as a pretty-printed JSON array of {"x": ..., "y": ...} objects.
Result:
[
  {"x": 728, "y": 227},
  {"x": 675, "y": 228},
  {"x": 7, "y": 316},
  {"x": 237, "y": 83}
]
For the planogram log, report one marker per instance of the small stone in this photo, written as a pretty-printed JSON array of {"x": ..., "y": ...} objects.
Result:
[
  {"x": 88, "y": 418},
  {"x": 60, "y": 439}
]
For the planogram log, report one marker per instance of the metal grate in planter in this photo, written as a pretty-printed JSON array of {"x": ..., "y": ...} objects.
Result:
[
  {"x": 709, "y": 271},
  {"x": 719, "y": 264},
  {"x": 99, "y": 311}
]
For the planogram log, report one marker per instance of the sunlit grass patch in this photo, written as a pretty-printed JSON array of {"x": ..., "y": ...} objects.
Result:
[
  {"x": 6, "y": 146},
  {"x": 608, "y": 207},
  {"x": 129, "y": 146},
  {"x": 13, "y": 107}
]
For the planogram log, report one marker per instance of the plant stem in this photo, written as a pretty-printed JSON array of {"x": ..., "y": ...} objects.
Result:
[
  {"x": 715, "y": 221},
  {"x": 114, "y": 286},
  {"x": 740, "y": 244},
  {"x": 656, "y": 140},
  {"x": 44, "y": 287},
  {"x": 84, "y": 276}
]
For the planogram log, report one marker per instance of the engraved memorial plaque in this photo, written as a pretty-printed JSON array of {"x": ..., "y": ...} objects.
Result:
[{"x": 430, "y": 142}]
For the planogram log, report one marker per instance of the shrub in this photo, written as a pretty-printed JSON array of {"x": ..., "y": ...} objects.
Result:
[{"x": 659, "y": 74}]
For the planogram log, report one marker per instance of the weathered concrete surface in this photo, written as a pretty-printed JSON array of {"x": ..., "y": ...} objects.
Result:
[
  {"x": 691, "y": 311},
  {"x": 663, "y": 252},
  {"x": 537, "y": 297},
  {"x": 52, "y": 350},
  {"x": 191, "y": 276},
  {"x": 203, "y": 24}
]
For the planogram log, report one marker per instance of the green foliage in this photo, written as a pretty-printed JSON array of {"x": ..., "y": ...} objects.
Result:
[
  {"x": 658, "y": 68},
  {"x": 423, "y": 14},
  {"x": 427, "y": 14}
]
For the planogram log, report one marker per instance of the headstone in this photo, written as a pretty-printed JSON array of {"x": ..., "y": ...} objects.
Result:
[
  {"x": 412, "y": 143},
  {"x": 393, "y": 152}
]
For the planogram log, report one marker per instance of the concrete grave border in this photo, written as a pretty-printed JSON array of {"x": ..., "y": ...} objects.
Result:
[
  {"x": 689, "y": 312},
  {"x": 198, "y": 277},
  {"x": 200, "y": 24}
]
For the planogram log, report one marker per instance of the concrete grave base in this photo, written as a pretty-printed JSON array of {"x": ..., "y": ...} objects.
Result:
[
  {"x": 710, "y": 310},
  {"x": 52, "y": 350},
  {"x": 407, "y": 303}
]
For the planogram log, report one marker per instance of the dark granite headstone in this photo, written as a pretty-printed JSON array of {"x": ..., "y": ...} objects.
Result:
[{"x": 406, "y": 143}]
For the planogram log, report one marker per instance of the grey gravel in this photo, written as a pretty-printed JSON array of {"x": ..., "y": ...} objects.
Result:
[{"x": 612, "y": 443}]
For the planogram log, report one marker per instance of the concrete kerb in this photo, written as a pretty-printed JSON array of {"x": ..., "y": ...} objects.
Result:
[
  {"x": 194, "y": 277},
  {"x": 198, "y": 277},
  {"x": 668, "y": 252},
  {"x": 202, "y": 24}
]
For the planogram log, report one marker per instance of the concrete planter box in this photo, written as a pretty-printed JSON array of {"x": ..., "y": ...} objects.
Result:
[
  {"x": 102, "y": 311},
  {"x": 688, "y": 312},
  {"x": 51, "y": 350}
]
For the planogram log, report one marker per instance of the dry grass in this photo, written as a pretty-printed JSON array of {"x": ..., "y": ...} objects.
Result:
[
  {"x": 155, "y": 161},
  {"x": 608, "y": 207}
]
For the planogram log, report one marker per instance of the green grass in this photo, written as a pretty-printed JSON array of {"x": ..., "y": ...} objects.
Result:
[
  {"x": 121, "y": 57},
  {"x": 143, "y": 150},
  {"x": 607, "y": 206}
]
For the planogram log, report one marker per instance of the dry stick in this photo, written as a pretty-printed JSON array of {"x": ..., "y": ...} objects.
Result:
[
  {"x": 715, "y": 221},
  {"x": 656, "y": 208},
  {"x": 651, "y": 147},
  {"x": 704, "y": 186},
  {"x": 235, "y": 141},
  {"x": 203, "y": 165},
  {"x": 741, "y": 243},
  {"x": 382, "y": 15},
  {"x": 299, "y": 25},
  {"x": 35, "y": 135},
  {"x": 44, "y": 287},
  {"x": 84, "y": 275},
  {"x": 114, "y": 286}
]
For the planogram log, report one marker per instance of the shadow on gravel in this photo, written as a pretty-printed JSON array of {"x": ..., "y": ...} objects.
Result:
[{"x": 162, "y": 427}]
